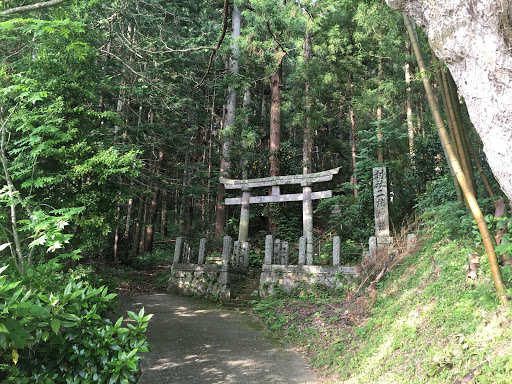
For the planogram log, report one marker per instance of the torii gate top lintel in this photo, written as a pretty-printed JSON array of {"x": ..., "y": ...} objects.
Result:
[{"x": 304, "y": 180}]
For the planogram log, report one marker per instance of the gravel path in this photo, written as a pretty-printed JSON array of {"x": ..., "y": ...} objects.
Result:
[{"x": 199, "y": 343}]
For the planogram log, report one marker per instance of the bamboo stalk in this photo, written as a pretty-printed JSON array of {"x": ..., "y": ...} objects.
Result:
[
  {"x": 480, "y": 170},
  {"x": 459, "y": 128},
  {"x": 470, "y": 197},
  {"x": 458, "y": 191}
]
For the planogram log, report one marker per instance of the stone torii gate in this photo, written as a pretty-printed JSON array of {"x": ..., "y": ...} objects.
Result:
[{"x": 307, "y": 197}]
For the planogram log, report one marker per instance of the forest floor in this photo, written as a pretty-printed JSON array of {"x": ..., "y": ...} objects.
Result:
[{"x": 139, "y": 279}]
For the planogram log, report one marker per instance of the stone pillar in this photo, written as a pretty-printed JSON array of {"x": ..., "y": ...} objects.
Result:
[
  {"x": 246, "y": 251},
  {"x": 412, "y": 241},
  {"x": 236, "y": 254},
  {"x": 302, "y": 250},
  {"x": 226, "y": 249},
  {"x": 307, "y": 221},
  {"x": 284, "y": 253},
  {"x": 243, "y": 229},
  {"x": 178, "y": 249},
  {"x": 277, "y": 252},
  {"x": 269, "y": 248},
  {"x": 202, "y": 251},
  {"x": 336, "y": 249},
  {"x": 380, "y": 202}
]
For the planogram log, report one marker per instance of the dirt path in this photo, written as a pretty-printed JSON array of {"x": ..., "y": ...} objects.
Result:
[{"x": 199, "y": 343}]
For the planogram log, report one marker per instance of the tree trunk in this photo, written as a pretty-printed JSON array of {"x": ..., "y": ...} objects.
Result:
[
  {"x": 410, "y": 125},
  {"x": 380, "y": 155},
  {"x": 353, "y": 138},
  {"x": 275, "y": 137},
  {"x": 275, "y": 120},
  {"x": 474, "y": 40},
  {"x": 153, "y": 207},
  {"x": 163, "y": 217},
  {"x": 124, "y": 249},
  {"x": 138, "y": 225},
  {"x": 307, "y": 144},
  {"x": 220, "y": 216}
]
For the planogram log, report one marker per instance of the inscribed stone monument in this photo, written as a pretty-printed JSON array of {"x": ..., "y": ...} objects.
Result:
[{"x": 380, "y": 202}]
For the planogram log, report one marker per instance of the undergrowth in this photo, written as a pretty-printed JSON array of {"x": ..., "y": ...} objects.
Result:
[{"x": 428, "y": 324}]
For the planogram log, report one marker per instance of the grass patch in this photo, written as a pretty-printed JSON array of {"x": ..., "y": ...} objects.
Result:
[{"x": 427, "y": 325}]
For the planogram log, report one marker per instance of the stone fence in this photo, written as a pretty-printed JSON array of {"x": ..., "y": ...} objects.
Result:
[
  {"x": 235, "y": 253},
  {"x": 195, "y": 273},
  {"x": 277, "y": 251},
  {"x": 276, "y": 271},
  {"x": 191, "y": 274}
]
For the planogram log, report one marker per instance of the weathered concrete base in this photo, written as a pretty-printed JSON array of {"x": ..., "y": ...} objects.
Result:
[
  {"x": 288, "y": 277},
  {"x": 204, "y": 280}
]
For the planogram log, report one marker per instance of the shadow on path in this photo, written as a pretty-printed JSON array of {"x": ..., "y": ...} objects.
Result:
[{"x": 199, "y": 343}]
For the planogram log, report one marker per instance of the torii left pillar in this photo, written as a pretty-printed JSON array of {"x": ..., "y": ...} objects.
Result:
[
  {"x": 307, "y": 221},
  {"x": 243, "y": 229}
]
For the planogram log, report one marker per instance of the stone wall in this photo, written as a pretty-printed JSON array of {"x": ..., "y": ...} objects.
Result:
[
  {"x": 204, "y": 279},
  {"x": 288, "y": 277},
  {"x": 194, "y": 279}
]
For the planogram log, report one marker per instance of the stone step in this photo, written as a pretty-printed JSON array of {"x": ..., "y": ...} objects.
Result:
[
  {"x": 236, "y": 304},
  {"x": 244, "y": 296},
  {"x": 247, "y": 288},
  {"x": 250, "y": 287},
  {"x": 243, "y": 293}
]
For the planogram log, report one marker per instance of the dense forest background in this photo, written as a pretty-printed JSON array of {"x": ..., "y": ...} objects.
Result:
[{"x": 119, "y": 118}]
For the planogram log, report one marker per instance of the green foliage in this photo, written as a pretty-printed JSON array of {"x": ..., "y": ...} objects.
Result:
[{"x": 53, "y": 329}]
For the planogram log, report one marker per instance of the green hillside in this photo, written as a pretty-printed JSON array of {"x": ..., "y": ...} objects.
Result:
[{"x": 428, "y": 324}]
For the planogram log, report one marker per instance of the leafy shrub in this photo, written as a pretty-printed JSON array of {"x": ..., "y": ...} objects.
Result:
[{"x": 53, "y": 329}]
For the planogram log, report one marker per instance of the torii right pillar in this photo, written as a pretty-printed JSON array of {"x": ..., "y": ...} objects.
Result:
[{"x": 380, "y": 243}]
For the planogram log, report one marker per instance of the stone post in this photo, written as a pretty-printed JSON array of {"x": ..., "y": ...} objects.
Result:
[
  {"x": 269, "y": 248},
  {"x": 202, "y": 251},
  {"x": 412, "y": 241},
  {"x": 384, "y": 245},
  {"x": 243, "y": 229},
  {"x": 302, "y": 250},
  {"x": 186, "y": 253},
  {"x": 178, "y": 249},
  {"x": 226, "y": 249},
  {"x": 372, "y": 250},
  {"x": 246, "y": 251},
  {"x": 336, "y": 249},
  {"x": 277, "y": 252},
  {"x": 284, "y": 253},
  {"x": 236, "y": 254}
]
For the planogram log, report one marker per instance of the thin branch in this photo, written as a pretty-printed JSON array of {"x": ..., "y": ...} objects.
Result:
[
  {"x": 31, "y": 7},
  {"x": 19, "y": 260},
  {"x": 221, "y": 38},
  {"x": 275, "y": 38},
  {"x": 184, "y": 50}
]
